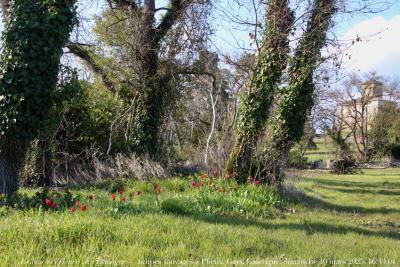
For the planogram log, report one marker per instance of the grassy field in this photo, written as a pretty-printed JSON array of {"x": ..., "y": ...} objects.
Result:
[
  {"x": 325, "y": 150},
  {"x": 324, "y": 220}
]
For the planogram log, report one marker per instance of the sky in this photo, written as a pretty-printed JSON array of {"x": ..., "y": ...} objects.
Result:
[{"x": 378, "y": 50}]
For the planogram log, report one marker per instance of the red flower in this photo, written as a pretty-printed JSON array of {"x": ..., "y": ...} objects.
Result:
[
  {"x": 72, "y": 209},
  {"x": 194, "y": 184},
  {"x": 53, "y": 205},
  {"x": 78, "y": 203},
  {"x": 155, "y": 185},
  {"x": 123, "y": 200},
  {"x": 215, "y": 172},
  {"x": 202, "y": 183},
  {"x": 113, "y": 196},
  {"x": 84, "y": 207},
  {"x": 258, "y": 182},
  {"x": 47, "y": 202},
  {"x": 121, "y": 190},
  {"x": 158, "y": 190},
  {"x": 91, "y": 197},
  {"x": 138, "y": 193}
]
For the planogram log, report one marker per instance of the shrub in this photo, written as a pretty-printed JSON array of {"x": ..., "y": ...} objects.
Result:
[{"x": 342, "y": 165}]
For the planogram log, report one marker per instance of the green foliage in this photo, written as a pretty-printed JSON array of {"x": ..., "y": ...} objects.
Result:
[
  {"x": 175, "y": 206},
  {"x": 41, "y": 200},
  {"x": 296, "y": 159},
  {"x": 34, "y": 35},
  {"x": 83, "y": 118},
  {"x": 385, "y": 131}
]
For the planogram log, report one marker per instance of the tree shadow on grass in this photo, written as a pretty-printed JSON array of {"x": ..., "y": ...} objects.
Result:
[
  {"x": 363, "y": 191},
  {"x": 293, "y": 195},
  {"x": 309, "y": 227},
  {"x": 356, "y": 184}
]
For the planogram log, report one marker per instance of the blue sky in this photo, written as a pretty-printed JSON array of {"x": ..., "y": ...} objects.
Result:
[
  {"x": 379, "y": 49},
  {"x": 377, "y": 52}
]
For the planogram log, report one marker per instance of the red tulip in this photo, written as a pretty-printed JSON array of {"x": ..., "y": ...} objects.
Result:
[
  {"x": 121, "y": 190},
  {"x": 258, "y": 182},
  {"x": 91, "y": 197},
  {"x": 215, "y": 172},
  {"x": 53, "y": 205},
  {"x": 47, "y": 202},
  {"x": 113, "y": 196},
  {"x": 155, "y": 185},
  {"x": 84, "y": 207},
  {"x": 194, "y": 184},
  {"x": 158, "y": 190},
  {"x": 72, "y": 209},
  {"x": 78, "y": 204}
]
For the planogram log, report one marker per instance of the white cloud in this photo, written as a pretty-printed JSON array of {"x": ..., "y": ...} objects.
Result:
[{"x": 379, "y": 48}]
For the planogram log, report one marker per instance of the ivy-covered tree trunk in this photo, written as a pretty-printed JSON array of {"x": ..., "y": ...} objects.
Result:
[
  {"x": 297, "y": 99},
  {"x": 256, "y": 103},
  {"x": 34, "y": 34}
]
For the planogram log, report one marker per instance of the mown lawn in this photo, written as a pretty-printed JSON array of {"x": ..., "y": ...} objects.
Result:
[{"x": 324, "y": 220}]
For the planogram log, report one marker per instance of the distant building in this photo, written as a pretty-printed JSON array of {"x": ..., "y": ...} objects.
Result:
[{"x": 362, "y": 110}]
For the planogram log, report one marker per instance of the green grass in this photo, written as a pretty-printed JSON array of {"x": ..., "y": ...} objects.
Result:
[
  {"x": 325, "y": 150},
  {"x": 328, "y": 217}
]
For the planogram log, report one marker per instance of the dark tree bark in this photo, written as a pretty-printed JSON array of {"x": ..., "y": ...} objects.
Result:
[
  {"x": 11, "y": 160},
  {"x": 45, "y": 162}
]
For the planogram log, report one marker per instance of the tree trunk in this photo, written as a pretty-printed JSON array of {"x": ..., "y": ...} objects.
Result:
[
  {"x": 298, "y": 97},
  {"x": 5, "y": 5},
  {"x": 11, "y": 159},
  {"x": 45, "y": 163},
  {"x": 255, "y": 105}
]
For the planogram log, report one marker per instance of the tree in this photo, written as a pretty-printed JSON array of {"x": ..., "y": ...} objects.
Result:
[
  {"x": 354, "y": 107},
  {"x": 296, "y": 98},
  {"x": 34, "y": 35},
  {"x": 385, "y": 131},
  {"x": 138, "y": 61},
  {"x": 255, "y": 104}
]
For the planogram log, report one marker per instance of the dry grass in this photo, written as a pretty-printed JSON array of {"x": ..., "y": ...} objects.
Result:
[{"x": 127, "y": 166}]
